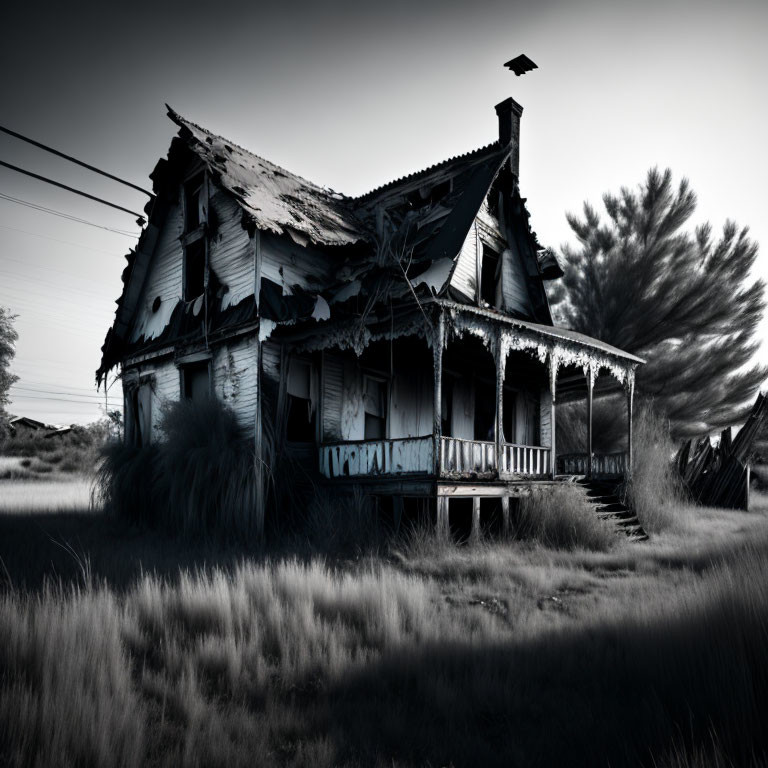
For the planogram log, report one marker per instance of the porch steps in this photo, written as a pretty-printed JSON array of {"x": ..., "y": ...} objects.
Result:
[{"x": 608, "y": 506}]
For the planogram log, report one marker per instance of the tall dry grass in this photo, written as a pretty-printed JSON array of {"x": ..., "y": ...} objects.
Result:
[
  {"x": 655, "y": 492},
  {"x": 302, "y": 664},
  {"x": 560, "y": 517}
]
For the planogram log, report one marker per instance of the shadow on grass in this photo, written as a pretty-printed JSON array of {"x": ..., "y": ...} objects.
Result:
[
  {"x": 630, "y": 694},
  {"x": 68, "y": 547}
]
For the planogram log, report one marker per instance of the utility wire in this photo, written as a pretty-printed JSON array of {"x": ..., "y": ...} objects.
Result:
[
  {"x": 73, "y": 401},
  {"x": 74, "y": 160},
  {"x": 140, "y": 221},
  {"x": 63, "y": 215}
]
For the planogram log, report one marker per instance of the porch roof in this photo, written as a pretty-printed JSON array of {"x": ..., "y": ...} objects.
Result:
[{"x": 552, "y": 331}]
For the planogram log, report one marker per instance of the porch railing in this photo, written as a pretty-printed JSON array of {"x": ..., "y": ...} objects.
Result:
[
  {"x": 467, "y": 457},
  {"x": 459, "y": 458},
  {"x": 603, "y": 464},
  {"x": 525, "y": 460},
  {"x": 410, "y": 455}
]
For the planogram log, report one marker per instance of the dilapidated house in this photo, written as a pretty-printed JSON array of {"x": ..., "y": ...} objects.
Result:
[{"x": 401, "y": 339}]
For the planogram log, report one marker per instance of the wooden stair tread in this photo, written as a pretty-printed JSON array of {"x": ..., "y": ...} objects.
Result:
[{"x": 609, "y": 507}]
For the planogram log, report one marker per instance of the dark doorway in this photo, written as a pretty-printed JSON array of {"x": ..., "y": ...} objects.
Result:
[
  {"x": 460, "y": 519},
  {"x": 485, "y": 410}
]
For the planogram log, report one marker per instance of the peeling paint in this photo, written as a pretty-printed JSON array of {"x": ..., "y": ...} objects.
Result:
[
  {"x": 265, "y": 328},
  {"x": 378, "y": 457}
]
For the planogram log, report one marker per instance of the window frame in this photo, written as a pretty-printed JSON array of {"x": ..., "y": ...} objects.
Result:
[
  {"x": 185, "y": 365},
  {"x": 385, "y": 382}
]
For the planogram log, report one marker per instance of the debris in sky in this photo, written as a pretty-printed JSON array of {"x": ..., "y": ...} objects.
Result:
[{"x": 521, "y": 64}]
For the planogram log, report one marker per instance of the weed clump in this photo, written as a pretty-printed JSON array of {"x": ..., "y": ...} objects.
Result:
[
  {"x": 198, "y": 481},
  {"x": 561, "y": 518},
  {"x": 655, "y": 492}
]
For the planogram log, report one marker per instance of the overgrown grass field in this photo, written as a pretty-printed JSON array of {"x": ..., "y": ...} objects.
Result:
[{"x": 121, "y": 647}]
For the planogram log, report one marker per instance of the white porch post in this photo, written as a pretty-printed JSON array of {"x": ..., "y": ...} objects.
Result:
[
  {"x": 438, "y": 340},
  {"x": 501, "y": 363},
  {"x": 590, "y": 386},
  {"x": 553, "y": 392},
  {"x": 630, "y": 388}
]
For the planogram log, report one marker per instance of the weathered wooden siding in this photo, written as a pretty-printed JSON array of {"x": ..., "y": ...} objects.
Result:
[
  {"x": 545, "y": 418},
  {"x": 514, "y": 287},
  {"x": 165, "y": 387},
  {"x": 235, "y": 379},
  {"x": 270, "y": 361},
  {"x": 332, "y": 382},
  {"x": 230, "y": 254},
  {"x": 352, "y": 413},
  {"x": 464, "y": 278},
  {"x": 163, "y": 279}
]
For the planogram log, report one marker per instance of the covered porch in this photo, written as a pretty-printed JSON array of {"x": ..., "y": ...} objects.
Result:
[{"x": 471, "y": 397}]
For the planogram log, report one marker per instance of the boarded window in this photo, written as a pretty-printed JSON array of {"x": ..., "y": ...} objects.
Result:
[
  {"x": 300, "y": 426},
  {"x": 194, "y": 270},
  {"x": 375, "y": 406},
  {"x": 196, "y": 381},
  {"x": 193, "y": 203},
  {"x": 489, "y": 276}
]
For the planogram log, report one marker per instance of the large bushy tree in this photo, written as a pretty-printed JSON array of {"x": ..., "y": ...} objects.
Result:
[
  {"x": 643, "y": 280},
  {"x": 8, "y": 338}
]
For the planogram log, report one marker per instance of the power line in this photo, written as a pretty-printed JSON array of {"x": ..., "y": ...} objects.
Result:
[
  {"x": 58, "y": 399},
  {"x": 32, "y": 390},
  {"x": 68, "y": 216},
  {"x": 140, "y": 221},
  {"x": 74, "y": 160}
]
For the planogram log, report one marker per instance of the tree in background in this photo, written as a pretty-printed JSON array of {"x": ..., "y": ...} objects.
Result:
[
  {"x": 683, "y": 301},
  {"x": 8, "y": 338}
]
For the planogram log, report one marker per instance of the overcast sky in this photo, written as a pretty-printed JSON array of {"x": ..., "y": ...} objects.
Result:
[{"x": 351, "y": 95}]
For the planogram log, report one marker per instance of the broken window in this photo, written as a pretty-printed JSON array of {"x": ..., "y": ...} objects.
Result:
[
  {"x": 196, "y": 381},
  {"x": 194, "y": 212},
  {"x": 300, "y": 425},
  {"x": 375, "y": 406},
  {"x": 489, "y": 276},
  {"x": 194, "y": 270}
]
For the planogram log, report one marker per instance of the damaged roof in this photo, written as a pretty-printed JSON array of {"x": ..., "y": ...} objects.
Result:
[
  {"x": 453, "y": 163},
  {"x": 275, "y": 199},
  {"x": 428, "y": 213}
]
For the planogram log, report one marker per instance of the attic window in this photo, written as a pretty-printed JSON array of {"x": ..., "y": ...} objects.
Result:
[
  {"x": 489, "y": 276},
  {"x": 194, "y": 270},
  {"x": 194, "y": 213}
]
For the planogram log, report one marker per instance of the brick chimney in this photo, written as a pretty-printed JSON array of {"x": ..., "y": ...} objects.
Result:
[{"x": 509, "y": 112}]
